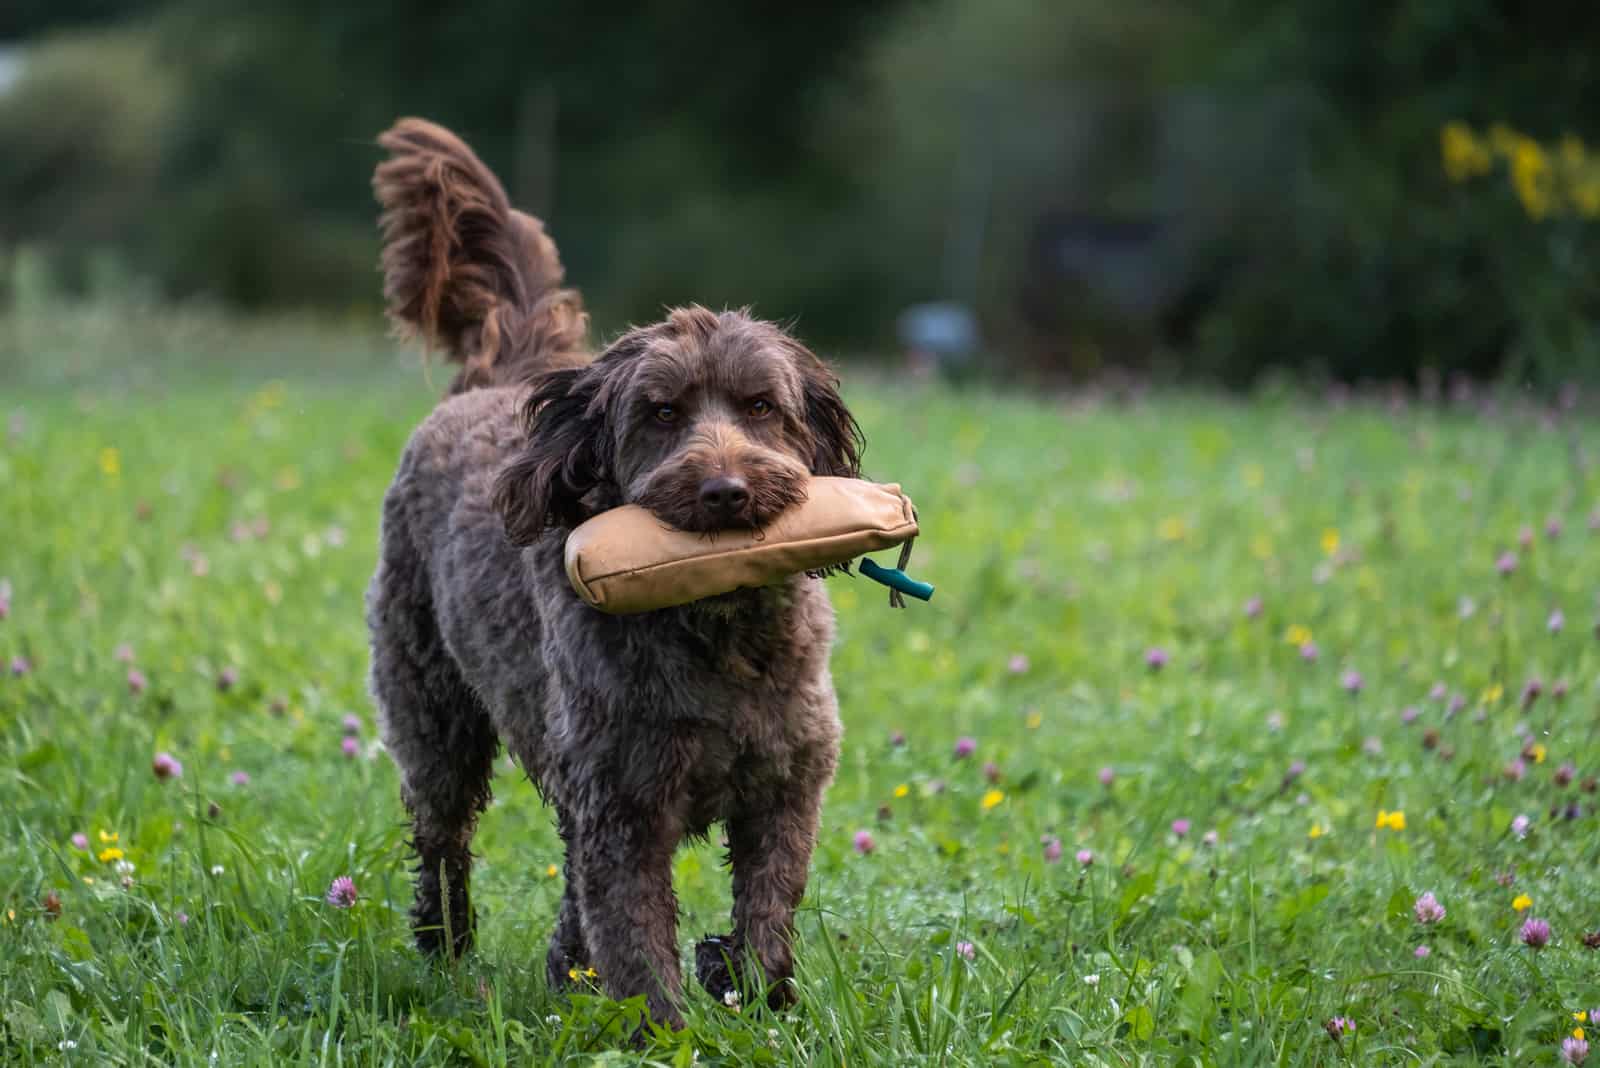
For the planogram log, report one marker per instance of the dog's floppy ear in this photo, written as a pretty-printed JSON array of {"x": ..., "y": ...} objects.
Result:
[
  {"x": 570, "y": 446},
  {"x": 566, "y": 457},
  {"x": 836, "y": 437}
]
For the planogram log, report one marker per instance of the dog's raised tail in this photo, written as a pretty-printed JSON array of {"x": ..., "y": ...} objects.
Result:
[{"x": 465, "y": 271}]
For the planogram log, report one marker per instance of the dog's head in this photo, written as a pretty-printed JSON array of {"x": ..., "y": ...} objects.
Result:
[{"x": 712, "y": 421}]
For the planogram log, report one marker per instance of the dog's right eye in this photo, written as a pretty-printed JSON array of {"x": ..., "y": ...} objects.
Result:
[{"x": 666, "y": 413}]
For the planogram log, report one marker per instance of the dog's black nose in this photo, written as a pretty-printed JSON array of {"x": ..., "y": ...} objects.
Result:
[{"x": 724, "y": 496}]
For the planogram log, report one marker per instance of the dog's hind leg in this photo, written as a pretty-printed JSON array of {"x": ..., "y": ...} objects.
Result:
[{"x": 442, "y": 741}]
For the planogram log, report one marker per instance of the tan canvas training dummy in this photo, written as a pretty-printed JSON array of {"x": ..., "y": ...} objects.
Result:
[{"x": 627, "y": 560}]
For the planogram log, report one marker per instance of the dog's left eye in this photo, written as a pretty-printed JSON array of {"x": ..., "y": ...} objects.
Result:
[{"x": 760, "y": 407}]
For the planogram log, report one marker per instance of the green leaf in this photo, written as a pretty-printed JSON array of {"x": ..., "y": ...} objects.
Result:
[
  {"x": 1292, "y": 908},
  {"x": 75, "y": 941},
  {"x": 39, "y": 756},
  {"x": 1141, "y": 1022},
  {"x": 1399, "y": 903},
  {"x": 58, "y": 1007},
  {"x": 1137, "y": 889},
  {"x": 1024, "y": 913},
  {"x": 1197, "y": 1003},
  {"x": 24, "y": 1023}
]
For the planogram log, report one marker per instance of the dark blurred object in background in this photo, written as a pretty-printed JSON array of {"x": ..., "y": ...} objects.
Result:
[
  {"x": 939, "y": 339},
  {"x": 1269, "y": 186}
]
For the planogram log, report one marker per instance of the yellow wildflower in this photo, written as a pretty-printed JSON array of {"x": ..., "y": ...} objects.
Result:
[
  {"x": 1034, "y": 720},
  {"x": 1261, "y": 547},
  {"x": 1297, "y": 634},
  {"x": 552, "y": 871},
  {"x": 1537, "y": 752},
  {"x": 992, "y": 798},
  {"x": 1330, "y": 541},
  {"x": 107, "y": 837},
  {"x": 1577, "y": 1033},
  {"x": 1522, "y": 902},
  {"x": 1581, "y": 1016},
  {"x": 110, "y": 462},
  {"x": 11, "y": 915},
  {"x": 1493, "y": 693},
  {"x": 88, "y": 880},
  {"x": 110, "y": 853},
  {"x": 587, "y": 973},
  {"x": 1530, "y": 177},
  {"x": 1172, "y": 529},
  {"x": 1464, "y": 155},
  {"x": 1395, "y": 821},
  {"x": 1316, "y": 831},
  {"x": 902, "y": 790}
]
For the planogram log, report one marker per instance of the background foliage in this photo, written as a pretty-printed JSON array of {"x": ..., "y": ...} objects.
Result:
[{"x": 1259, "y": 188}]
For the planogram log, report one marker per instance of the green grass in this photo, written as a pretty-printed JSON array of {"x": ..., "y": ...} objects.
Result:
[{"x": 1077, "y": 537}]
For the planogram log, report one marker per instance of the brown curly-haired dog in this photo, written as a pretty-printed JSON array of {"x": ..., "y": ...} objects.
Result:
[{"x": 641, "y": 730}]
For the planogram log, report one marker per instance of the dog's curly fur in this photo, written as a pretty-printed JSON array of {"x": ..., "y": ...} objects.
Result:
[{"x": 641, "y": 730}]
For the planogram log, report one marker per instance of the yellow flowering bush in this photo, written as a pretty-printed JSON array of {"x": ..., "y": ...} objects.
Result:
[{"x": 1563, "y": 180}]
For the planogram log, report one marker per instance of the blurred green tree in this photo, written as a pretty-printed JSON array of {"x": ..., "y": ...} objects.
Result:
[{"x": 1251, "y": 187}]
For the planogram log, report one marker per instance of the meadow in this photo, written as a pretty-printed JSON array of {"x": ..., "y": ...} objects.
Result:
[{"x": 1236, "y": 733}]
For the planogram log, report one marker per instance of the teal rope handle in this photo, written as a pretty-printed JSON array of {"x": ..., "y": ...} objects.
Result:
[{"x": 896, "y": 579}]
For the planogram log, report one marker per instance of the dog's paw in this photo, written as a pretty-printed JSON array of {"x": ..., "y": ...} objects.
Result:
[
  {"x": 713, "y": 957},
  {"x": 714, "y": 967},
  {"x": 782, "y": 995}
]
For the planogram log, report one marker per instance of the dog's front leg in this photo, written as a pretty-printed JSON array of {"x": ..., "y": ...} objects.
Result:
[
  {"x": 770, "y": 846},
  {"x": 630, "y": 914}
]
